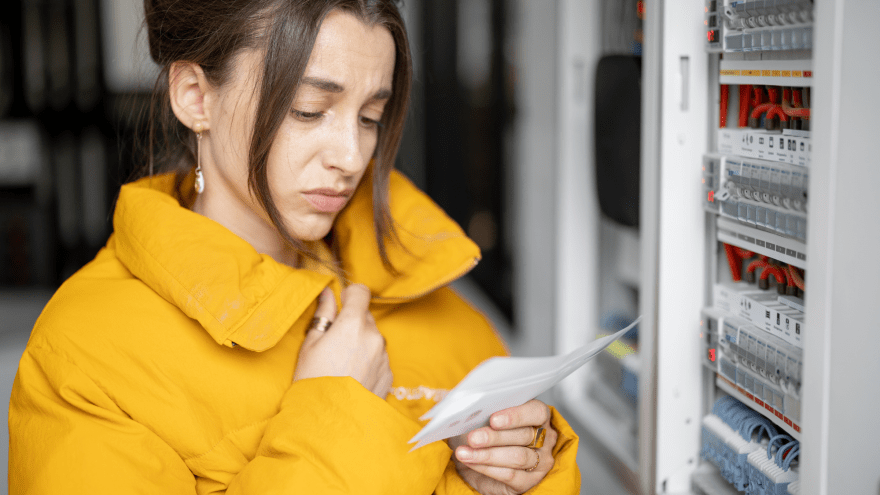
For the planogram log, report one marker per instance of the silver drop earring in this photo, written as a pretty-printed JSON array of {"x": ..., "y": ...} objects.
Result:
[{"x": 200, "y": 179}]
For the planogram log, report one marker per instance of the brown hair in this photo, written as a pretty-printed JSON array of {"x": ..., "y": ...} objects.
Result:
[{"x": 211, "y": 32}]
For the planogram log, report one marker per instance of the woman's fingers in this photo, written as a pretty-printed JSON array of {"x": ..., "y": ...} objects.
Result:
[
  {"x": 351, "y": 346},
  {"x": 488, "y": 437},
  {"x": 521, "y": 458},
  {"x": 384, "y": 386},
  {"x": 355, "y": 302},
  {"x": 532, "y": 413},
  {"x": 511, "y": 480},
  {"x": 326, "y": 305},
  {"x": 498, "y": 453},
  {"x": 326, "y": 309}
]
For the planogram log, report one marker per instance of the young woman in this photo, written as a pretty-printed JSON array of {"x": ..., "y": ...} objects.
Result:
[{"x": 202, "y": 350}]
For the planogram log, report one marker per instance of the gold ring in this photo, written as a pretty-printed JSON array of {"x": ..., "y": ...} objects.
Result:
[
  {"x": 320, "y": 324},
  {"x": 538, "y": 439},
  {"x": 529, "y": 470}
]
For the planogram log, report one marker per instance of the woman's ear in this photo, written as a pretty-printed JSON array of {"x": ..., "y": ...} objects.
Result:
[{"x": 189, "y": 90}]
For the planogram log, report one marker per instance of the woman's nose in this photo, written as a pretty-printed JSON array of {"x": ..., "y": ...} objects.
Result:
[{"x": 345, "y": 147}]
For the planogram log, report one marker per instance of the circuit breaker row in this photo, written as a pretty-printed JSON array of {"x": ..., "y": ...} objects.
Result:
[
  {"x": 766, "y": 370},
  {"x": 759, "y": 25},
  {"x": 771, "y": 196}
]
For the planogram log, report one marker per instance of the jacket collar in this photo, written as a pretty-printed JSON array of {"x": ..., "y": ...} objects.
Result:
[{"x": 246, "y": 298}]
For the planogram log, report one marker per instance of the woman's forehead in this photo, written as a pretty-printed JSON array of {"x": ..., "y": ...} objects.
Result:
[
  {"x": 348, "y": 48},
  {"x": 347, "y": 52}
]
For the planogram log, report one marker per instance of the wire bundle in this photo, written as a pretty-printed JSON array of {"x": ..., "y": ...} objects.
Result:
[
  {"x": 789, "y": 278},
  {"x": 730, "y": 434},
  {"x": 770, "y": 473},
  {"x": 787, "y": 110},
  {"x": 748, "y": 449}
]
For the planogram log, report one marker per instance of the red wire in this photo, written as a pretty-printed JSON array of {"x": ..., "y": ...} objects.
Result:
[
  {"x": 763, "y": 107},
  {"x": 743, "y": 253},
  {"x": 744, "y": 90},
  {"x": 796, "y": 98},
  {"x": 778, "y": 112},
  {"x": 772, "y": 270},
  {"x": 795, "y": 112},
  {"x": 757, "y": 96},
  {"x": 773, "y": 92},
  {"x": 755, "y": 265},
  {"x": 796, "y": 277},
  {"x": 787, "y": 94},
  {"x": 734, "y": 262},
  {"x": 725, "y": 96},
  {"x": 784, "y": 271}
]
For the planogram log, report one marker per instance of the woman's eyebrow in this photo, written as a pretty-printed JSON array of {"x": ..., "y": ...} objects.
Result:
[
  {"x": 381, "y": 95},
  {"x": 334, "y": 87},
  {"x": 323, "y": 84}
]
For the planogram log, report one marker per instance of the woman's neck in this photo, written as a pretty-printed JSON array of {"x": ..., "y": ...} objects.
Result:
[{"x": 259, "y": 233}]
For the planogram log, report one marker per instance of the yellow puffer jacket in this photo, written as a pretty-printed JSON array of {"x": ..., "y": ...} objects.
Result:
[{"x": 165, "y": 365}]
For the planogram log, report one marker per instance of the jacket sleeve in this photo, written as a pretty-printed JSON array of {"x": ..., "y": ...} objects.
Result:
[
  {"x": 334, "y": 436},
  {"x": 67, "y": 436},
  {"x": 331, "y": 435},
  {"x": 563, "y": 479}
]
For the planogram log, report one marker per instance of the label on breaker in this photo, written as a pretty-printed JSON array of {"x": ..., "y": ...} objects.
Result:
[
  {"x": 766, "y": 145},
  {"x": 761, "y": 309},
  {"x": 789, "y": 325}
]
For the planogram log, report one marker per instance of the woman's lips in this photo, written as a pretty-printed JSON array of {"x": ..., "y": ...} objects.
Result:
[{"x": 327, "y": 200}]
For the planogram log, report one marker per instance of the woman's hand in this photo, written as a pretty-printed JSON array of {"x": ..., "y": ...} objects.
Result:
[
  {"x": 494, "y": 460},
  {"x": 351, "y": 346}
]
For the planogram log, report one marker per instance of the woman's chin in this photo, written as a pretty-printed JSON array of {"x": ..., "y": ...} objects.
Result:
[{"x": 314, "y": 229}]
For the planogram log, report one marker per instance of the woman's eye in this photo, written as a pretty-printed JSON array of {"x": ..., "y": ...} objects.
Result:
[
  {"x": 367, "y": 122},
  {"x": 306, "y": 116}
]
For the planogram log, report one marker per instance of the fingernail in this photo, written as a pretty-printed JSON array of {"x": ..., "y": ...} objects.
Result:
[
  {"x": 479, "y": 438},
  {"x": 464, "y": 454},
  {"x": 499, "y": 421}
]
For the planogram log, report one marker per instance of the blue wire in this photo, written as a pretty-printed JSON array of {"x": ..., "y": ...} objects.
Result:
[
  {"x": 754, "y": 422},
  {"x": 781, "y": 451},
  {"x": 796, "y": 451},
  {"x": 768, "y": 426},
  {"x": 748, "y": 427},
  {"x": 770, "y": 430},
  {"x": 721, "y": 404},
  {"x": 722, "y": 408},
  {"x": 763, "y": 426},
  {"x": 773, "y": 440},
  {"x": 739, "y": 416},
  {"x": 742, "y": 418}
]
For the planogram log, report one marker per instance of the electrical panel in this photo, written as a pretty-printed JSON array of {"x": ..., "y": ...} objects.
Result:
[{"x": 755, "y": 181}]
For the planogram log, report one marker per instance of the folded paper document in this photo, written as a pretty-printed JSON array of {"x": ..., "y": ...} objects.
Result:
[{"x": 499, "y": 383}]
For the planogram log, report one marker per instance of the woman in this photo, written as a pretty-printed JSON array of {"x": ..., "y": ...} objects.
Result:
[{"x": 202, "y": 350}]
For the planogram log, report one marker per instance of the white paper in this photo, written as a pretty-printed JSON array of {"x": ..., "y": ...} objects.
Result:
[{"x": 499, "y": 383}]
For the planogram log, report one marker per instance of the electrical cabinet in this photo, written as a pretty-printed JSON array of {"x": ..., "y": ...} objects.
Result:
[
  {"x": 738, "y": 166},
  {"x": 758, "y": 238}
]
